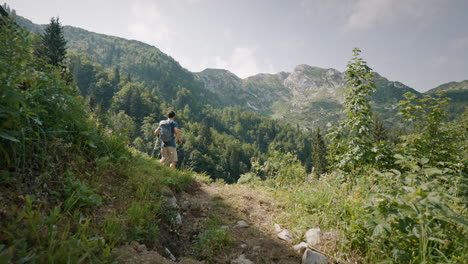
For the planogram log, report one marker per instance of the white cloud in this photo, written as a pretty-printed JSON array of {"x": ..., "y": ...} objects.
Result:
[
  {"x": 227, "y": 34},
  {"x": 150, "y": 25},
  {"x": 241, "y": 62},
  {"x": 194, "y": 1},
  {"x": 460, "y": 43},
  {"x": 439, "y": 61},
  {"x": 366, "y": 14}
]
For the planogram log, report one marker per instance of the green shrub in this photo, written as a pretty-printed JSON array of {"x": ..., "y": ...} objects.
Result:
[
  {"x": 35, "y": 236},
  {"x": 413, "y": 217},
  {"x": 141, "y": 221},
  {"x": 113, "y": 229},
  {"x": 248, "y": 177},
  {"x": 76, "y": 194},
  {"x": 280, "y": 169},
  {"x": 213, "y": 241}
]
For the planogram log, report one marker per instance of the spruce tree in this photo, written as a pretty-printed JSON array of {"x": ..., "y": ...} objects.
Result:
[
  {"x": 319, "y": 154},
  {"x": 378, "y": 133},
  {"x": 52, "y": 48}
]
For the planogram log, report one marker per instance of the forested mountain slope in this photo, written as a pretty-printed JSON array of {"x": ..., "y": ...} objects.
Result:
[{"x": 160, "y": 73}]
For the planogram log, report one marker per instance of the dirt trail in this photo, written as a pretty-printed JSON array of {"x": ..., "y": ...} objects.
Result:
[{"x": 232, "y": 203}]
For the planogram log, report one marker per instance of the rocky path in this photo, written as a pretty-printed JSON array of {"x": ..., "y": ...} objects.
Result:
[{"x": 249, "y": 214}]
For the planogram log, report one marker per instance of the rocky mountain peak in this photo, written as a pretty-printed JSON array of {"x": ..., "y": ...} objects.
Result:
[
  {"x": 218, "y": 72},
  {"x": 307, "y": 82}
]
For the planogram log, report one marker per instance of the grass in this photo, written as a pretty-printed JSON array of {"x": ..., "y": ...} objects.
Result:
[
  {"x": 95, "y": 213},
  {"x": 213, "y": 241}
]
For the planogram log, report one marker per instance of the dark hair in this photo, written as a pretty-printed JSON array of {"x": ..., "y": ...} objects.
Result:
[{"x": 171, "y": 114}]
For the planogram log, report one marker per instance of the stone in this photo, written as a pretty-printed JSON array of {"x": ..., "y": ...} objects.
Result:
[
  {"x": 166, "y": 191},
  {"x": 285, "y": 235},
  {"x": 241, "y": 224},
  {"x": 170, "y": 201},
  {"x": 178, "y": 219},
  {"x": 134, "y": 244},
  {"x": 243, "y": 246},
  {"x": 169, "y": 254},
  {"x": 300, "y": 247},
  {"x": 312, "y": 257},
  {"x": 141, "y": 248},
  {"x": 313, "y": 236},
  {"x": 185, "y": 205},
  {"x": 127, "y": 254},
  {"x": 278, "y": 228},
  {"x": 241, "y": 260}
]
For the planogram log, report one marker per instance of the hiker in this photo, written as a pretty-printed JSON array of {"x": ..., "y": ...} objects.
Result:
[{"x": 166, "y": 131}]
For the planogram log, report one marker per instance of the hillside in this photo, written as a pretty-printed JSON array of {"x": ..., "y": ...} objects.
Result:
[
  {"x": 160, "y": 73},
  {"x": 458, "y": 94},
  {"x": 450, "y": 86}
]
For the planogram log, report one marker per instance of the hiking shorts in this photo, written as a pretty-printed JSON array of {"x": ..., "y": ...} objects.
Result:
[{"x": 169, "y": 155}]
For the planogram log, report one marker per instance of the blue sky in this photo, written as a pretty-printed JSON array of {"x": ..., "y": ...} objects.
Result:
[{"x": 422, "y": 43}]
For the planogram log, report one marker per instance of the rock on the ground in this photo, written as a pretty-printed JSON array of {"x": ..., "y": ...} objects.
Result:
[
  {"x": 278, "y": 228},
  {"x": 185, "y": 205},
  {"x": 178, "y": 219},
  {"x": 141, "y": 248},
  {"x": 169, "y": 254},
  {"x": 241, "y": 224},
  {"x": 312, "y": 257},
  {"x": 170, "y": 201},
  {"x": 128, "y": 255},
  {"x": 241, "y": 260},
  {"x": 285, "y": 235},
  {"x": 313, "y": 236},
  {"x": 300, "y": 247}
]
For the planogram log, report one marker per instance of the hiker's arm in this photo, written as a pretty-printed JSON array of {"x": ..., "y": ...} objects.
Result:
[
  {"x": 179, "y": 138},
  {"x": 156, "y": 132}
]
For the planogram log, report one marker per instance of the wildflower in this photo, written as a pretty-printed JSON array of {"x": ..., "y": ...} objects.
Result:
[{"x": 334, "y": 202}]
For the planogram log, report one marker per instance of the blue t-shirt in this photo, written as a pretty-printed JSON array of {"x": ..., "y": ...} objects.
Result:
[{"x": 171, "y": 143}]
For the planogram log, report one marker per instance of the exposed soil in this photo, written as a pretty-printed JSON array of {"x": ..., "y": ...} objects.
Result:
[{"x": 258, "y": 242}]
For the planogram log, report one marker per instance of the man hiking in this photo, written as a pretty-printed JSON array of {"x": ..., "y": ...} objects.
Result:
[{"x": 166, "y": 131}]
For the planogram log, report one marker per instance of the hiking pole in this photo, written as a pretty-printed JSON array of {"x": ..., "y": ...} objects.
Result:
[{"x": 156, "y": 144}]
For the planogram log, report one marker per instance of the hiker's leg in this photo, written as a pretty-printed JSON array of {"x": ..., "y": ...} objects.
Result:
[
  {"x": 164, "y": 155},
  {"x": 173, "y": 156}
]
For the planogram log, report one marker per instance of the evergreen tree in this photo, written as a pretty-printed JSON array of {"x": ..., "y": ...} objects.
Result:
[
  {"x": 205, "y": 134},
  {"x": 52, "y": 48},
  {"x": 116, "y": 77},
  {"x": 378, "y": 133},
  {"x": 234, "y": 162},
  {"x": 319, "y": 154}
]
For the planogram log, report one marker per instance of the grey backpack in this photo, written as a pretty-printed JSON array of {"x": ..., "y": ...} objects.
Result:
[{"x": 165, "y": 131}]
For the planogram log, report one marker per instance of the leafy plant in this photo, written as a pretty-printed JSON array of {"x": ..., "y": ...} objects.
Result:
[
  {"x": 213, "y": 241},
  {"x": 412, "y": 216},
  {"x": 351, "y": 145},
  {"x": 77, "y": 194}
]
